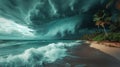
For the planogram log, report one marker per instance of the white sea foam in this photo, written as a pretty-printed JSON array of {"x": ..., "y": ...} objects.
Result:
[{"x": 37, "y": 56}]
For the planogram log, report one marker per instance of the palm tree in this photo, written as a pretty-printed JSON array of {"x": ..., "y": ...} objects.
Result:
[
  {"x": 101, "y": 20},
  {"x": 102, "y": 24}
]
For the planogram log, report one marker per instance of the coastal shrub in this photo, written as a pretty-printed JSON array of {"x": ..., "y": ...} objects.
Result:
[
  {"x": 100, "y": 37},
  {"x": 111, "y": 37}
]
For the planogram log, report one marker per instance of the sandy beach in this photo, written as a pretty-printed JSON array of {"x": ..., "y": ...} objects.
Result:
[
  {"x": 91, "y": 55},
  {"x": 108, "y": 48}
]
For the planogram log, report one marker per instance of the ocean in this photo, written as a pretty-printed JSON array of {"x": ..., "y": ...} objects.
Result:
[{"x": 52, "y": 53}]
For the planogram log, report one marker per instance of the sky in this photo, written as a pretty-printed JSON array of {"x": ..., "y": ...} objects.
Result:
[{"x": 47, "y": 19}]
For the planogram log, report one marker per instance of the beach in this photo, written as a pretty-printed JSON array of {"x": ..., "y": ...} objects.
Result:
[{"x": 112, "y": 49}]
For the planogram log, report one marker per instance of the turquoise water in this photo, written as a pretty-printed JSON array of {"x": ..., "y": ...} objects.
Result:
[
  {"x": 34, "y": 53},
  {"x": 16, "y": 47},
  {"x": 53, "y": 53}
]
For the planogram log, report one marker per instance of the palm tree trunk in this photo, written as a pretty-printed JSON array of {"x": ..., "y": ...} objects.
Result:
[{"x": 106, "y": 34}]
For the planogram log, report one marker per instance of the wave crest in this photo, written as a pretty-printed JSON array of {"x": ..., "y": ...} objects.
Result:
[{"x": 37, "y": 56}]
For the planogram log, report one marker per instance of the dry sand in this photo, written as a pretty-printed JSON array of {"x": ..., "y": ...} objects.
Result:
[{"x": 113, "y": 51}]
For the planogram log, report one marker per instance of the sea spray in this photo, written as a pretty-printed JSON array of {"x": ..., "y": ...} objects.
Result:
[{"x": 37, "y": 56}]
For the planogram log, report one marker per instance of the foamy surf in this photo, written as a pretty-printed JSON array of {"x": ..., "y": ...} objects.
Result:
[{"x": 37, "y": 57}]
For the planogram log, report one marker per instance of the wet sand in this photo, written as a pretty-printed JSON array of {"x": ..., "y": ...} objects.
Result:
[{"x": 86, "y": 56}]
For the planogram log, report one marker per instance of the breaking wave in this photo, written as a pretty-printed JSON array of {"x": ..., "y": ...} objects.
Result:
[{"x": 37, "y": 57}]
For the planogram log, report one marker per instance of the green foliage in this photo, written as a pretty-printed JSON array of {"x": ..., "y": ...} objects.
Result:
[
  {"x": 100, "y": 37},
  {"x": 115, "y": 26},
  {"x": 90, "y": 36},
  {"x": 102, "y": 19},
  {"x": 111, "y": 37}
]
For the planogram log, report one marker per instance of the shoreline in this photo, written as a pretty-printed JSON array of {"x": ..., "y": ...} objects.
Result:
[{"x": 110, "y": 48}]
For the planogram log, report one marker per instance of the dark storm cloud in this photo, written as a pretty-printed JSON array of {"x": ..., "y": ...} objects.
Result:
[{"x": 51, "y": 17}]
